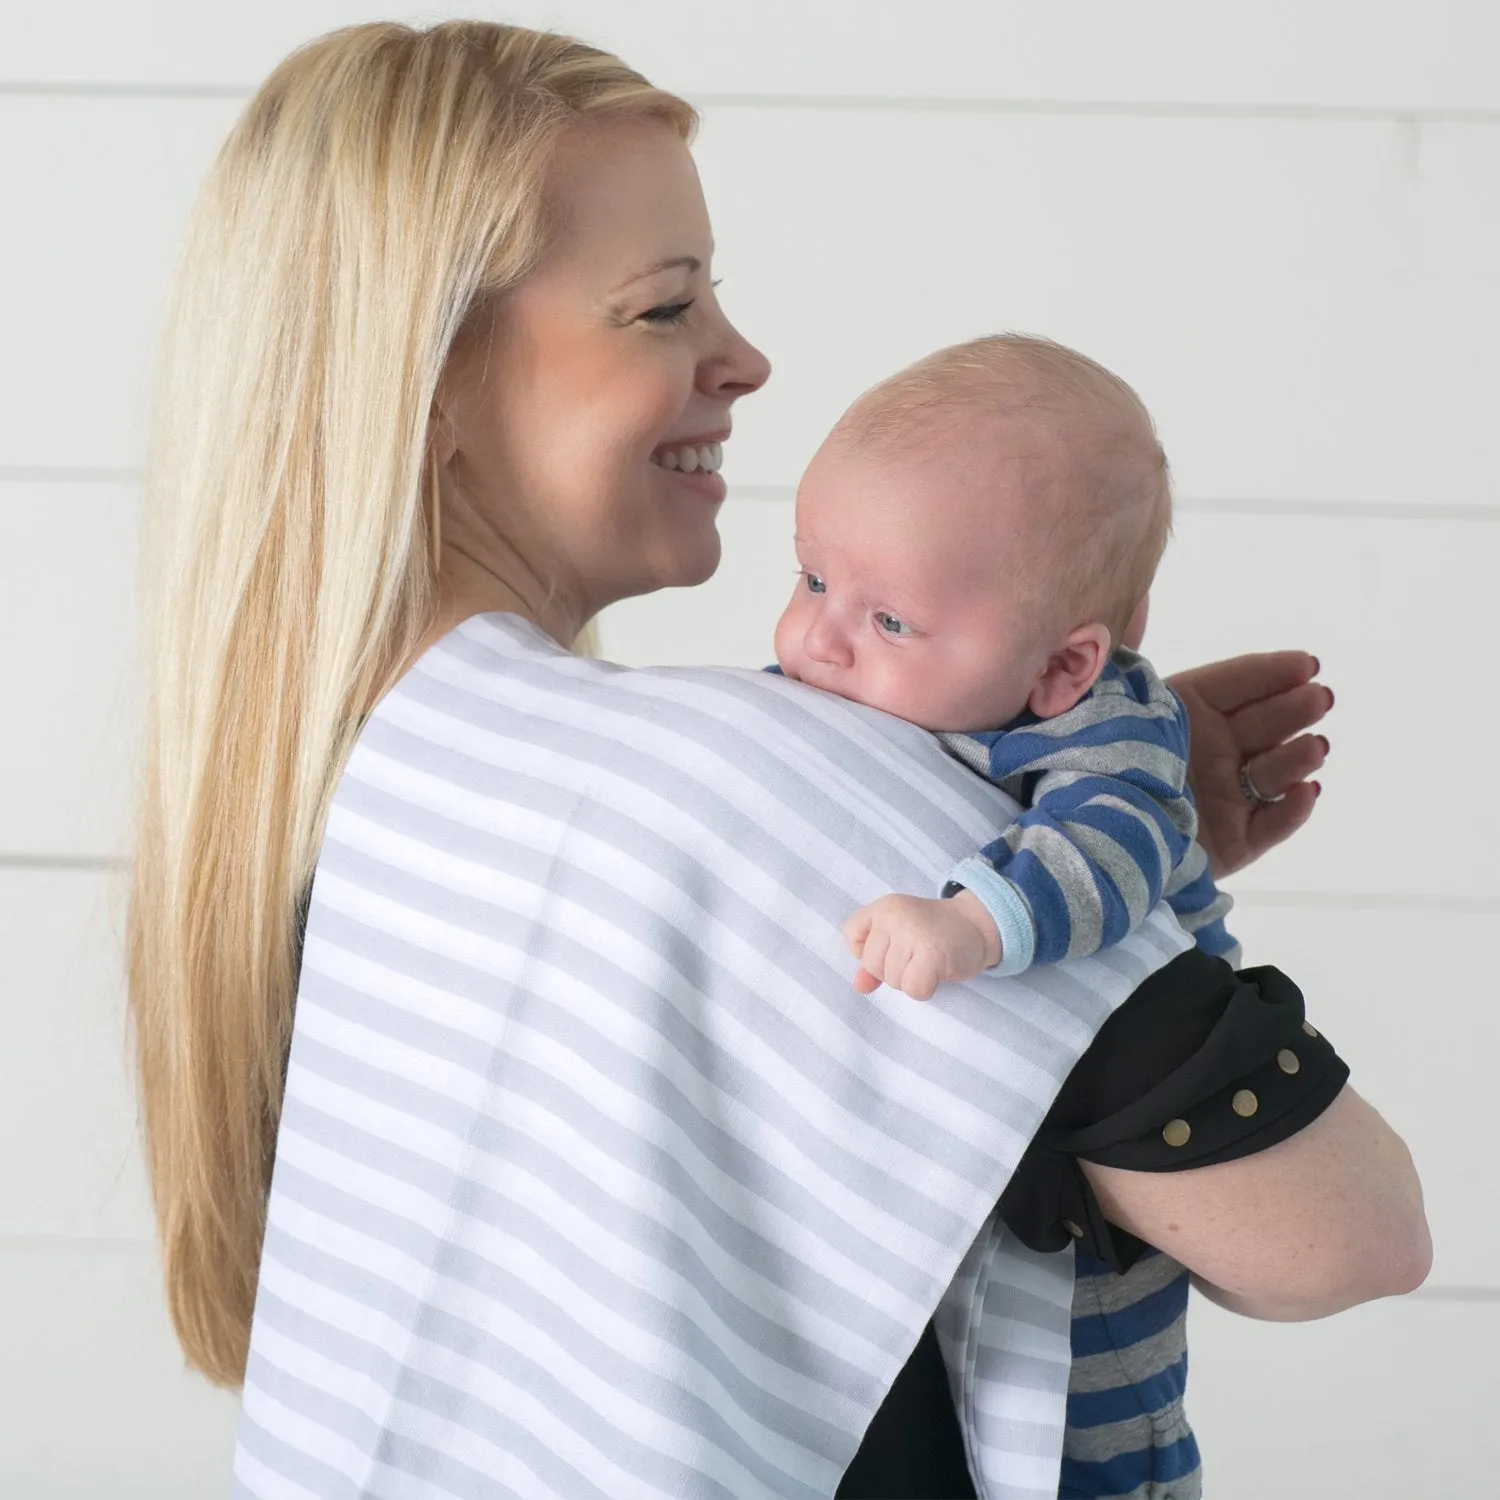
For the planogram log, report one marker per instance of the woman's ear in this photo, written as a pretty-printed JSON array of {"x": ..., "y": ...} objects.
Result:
[{"x": 1071, "y": 670}]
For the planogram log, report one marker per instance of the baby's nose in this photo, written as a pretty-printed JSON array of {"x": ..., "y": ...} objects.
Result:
[{"x": 828, "y": 644}]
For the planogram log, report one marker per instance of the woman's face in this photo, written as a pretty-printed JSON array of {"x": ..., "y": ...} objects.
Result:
[{"x": 588, "y": 430}]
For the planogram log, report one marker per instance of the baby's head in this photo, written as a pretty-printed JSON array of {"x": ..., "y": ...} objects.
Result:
[{"x": 975, "y": 535}]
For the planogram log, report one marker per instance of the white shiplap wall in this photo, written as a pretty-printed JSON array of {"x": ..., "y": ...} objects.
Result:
[{"x": 1281, "y": 222}]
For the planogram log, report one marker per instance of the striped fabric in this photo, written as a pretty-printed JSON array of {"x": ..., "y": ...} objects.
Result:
[
  {"x": 1127, "y": 1436},
  {"x": 1108, "y": 826},
  {"x": 595, "y": 1179}
]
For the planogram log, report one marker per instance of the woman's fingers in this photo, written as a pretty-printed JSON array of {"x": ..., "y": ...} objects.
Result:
[
  {"x": 1259, "y": 726},
  {"x": 1276, "y": 770},
  {"x": 1276, "y": 821},
  {"x": 1229, "y": 685}
]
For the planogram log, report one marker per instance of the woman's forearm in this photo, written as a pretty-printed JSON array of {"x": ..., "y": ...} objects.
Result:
[{"x": 1329, "y": 1218}]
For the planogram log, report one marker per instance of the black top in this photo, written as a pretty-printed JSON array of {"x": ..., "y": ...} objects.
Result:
[{"x": 1199, "y": 1065}]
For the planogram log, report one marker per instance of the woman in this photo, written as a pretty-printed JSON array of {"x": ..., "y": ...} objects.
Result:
[{"x": 444, "y": 311}]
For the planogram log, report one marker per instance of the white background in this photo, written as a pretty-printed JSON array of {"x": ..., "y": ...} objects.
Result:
[{"x": 1281, "y": 222}]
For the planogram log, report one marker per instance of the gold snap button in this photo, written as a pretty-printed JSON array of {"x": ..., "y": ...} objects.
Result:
[
  {"x": 1072, "y": 1229},
  {"x": 1309, "y": 1028},
  {"x": 1244, "y": 1104},
  {"x": 1287, "y": 1061},
  {"x": 1176, "y": 1132}
]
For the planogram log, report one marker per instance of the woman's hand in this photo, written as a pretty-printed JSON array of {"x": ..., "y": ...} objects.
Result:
[{"x": 1253, "y": 710}]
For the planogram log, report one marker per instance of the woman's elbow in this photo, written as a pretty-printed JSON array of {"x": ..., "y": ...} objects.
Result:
[
  {"x": 1408, "y": 1260},
  {"x": 1390, "y": 1260},
  {"x": 1376, "y": 1241}
]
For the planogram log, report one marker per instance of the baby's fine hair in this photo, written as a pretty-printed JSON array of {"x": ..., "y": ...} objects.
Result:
[{"x": 1105, "y": 527}]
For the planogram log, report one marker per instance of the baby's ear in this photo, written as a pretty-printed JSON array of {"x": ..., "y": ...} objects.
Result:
[{"x": 1071, "y": 670}]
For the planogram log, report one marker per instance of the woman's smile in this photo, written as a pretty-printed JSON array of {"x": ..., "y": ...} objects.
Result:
[{"x": 694, "y": 463}]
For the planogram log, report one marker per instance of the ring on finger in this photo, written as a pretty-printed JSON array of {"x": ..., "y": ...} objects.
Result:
[{"x": 1253, "y": 793}]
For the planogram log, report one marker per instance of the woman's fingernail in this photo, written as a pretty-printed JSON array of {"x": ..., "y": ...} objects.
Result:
[
  {"x": 1329, "y": 691},
  {"x": 1317, "y": 787},
  {"x": 1317, "y": 666},
  {"x": 1323, "y": 741}
]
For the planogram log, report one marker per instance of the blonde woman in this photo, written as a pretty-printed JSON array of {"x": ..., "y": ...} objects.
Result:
[{"x": 522, "y": 971}]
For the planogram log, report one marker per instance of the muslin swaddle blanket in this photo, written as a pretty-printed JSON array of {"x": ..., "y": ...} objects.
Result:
[{"x": 595, "y": 1177}]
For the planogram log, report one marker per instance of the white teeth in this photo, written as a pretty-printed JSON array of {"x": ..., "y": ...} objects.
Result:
[{"x": 689, "y": 459}]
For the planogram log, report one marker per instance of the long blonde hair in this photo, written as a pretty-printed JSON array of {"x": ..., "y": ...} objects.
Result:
[{"x": 380, "y": 188}]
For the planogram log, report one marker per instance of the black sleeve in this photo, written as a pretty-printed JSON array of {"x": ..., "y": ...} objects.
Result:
[{"x": 1200, "y": 1065}]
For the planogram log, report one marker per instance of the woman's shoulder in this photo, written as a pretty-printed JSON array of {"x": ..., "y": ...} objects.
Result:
[{"x": 501, "y": 675}]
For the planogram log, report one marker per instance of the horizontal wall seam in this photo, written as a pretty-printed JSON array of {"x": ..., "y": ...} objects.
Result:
[
  {"x": 853, "y": 103},
  {"x": 1338, "y": 510}
]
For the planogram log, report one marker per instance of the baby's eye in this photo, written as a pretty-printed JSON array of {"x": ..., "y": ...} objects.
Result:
[
  {"x": 815, "y": 585},
  {"x": 891, "y": 624}
]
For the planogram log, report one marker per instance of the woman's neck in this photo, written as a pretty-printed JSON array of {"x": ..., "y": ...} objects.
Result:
[{"x": 469, "y": 587}]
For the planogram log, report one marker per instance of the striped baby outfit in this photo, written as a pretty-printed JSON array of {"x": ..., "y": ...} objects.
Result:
[
  {"x": 591, "y": 1181},
  {"x": 1107, "y": 829},
  {"x": 1128, "y": 1437}
]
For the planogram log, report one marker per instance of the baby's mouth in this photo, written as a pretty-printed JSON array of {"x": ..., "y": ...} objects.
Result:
[{"x": 689, "y": 458}]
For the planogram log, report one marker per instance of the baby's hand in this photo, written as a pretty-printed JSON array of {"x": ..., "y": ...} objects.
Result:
[{"x": 915, "y": 944}]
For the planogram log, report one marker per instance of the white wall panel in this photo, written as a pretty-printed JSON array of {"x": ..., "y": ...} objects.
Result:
[
  {"x": 1264, "y": 284},
  {"x": 1394, "y": 1401},
  {"x": 1390, "y": 607},
  {"x": 96, "y": 192},
  {"x": 1411, "y": 54},
  {"x": 67, "y": 576},
  {"x": 1301, "y": 304},
  {"x": 96, "y": 1399},
  {"x": 68, "y": 1116}
]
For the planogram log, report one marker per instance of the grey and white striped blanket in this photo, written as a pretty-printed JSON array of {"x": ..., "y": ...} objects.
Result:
[{"x": 595, "y": 1177}]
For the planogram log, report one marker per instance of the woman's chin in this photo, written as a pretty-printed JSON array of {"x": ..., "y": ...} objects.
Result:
[
  {"x": 700, "y": 564},
  {"x": 680, "y": 561}
]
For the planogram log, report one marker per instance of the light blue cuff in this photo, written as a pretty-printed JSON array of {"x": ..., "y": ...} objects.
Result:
[{"x": 1005, "y": 903}]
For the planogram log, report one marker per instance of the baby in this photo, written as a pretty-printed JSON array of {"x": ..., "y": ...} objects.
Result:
[{"x": 976, "y": 541}]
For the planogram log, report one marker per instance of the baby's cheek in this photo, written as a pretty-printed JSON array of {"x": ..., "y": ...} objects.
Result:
[{"x": 786, "y": 638}]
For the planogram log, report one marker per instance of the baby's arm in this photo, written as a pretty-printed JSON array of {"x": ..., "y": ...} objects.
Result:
[
  {"x": 1201, "y": 907},
  {"x": 1109, "y": 819},
  {"x": 1107, "y": 832}
]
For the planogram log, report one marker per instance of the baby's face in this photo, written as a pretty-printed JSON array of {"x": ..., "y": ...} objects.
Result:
[{"x": 900, "y": 601}]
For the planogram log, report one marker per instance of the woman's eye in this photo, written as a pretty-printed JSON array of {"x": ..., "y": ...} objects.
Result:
[
  {"x": 668, "y": 312},
  {"x": 891, "y": 624},
  {"x": 815, "y": 585}
]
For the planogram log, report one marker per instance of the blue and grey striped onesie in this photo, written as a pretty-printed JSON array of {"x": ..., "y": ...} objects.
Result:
[{"x": 1107, "y": 830}]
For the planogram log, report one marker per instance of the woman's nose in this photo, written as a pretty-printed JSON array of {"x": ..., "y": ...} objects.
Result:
[{"x": 738, "y": 368}]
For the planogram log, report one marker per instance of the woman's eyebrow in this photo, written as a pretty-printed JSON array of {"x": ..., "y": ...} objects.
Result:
[{"x": 691, "y": 263}]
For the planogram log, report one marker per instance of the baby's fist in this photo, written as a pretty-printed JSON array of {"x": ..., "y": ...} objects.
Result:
[{"x": 913, "y": 944}]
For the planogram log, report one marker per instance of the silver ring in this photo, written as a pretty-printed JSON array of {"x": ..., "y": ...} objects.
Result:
[{"x": 1252, "y": 792}]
